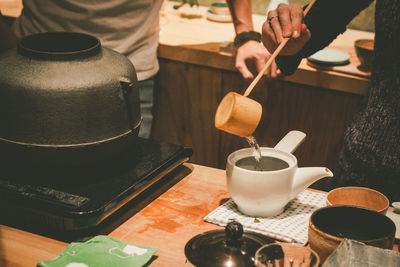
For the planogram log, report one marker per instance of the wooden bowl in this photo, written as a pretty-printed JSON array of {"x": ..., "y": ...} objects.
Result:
[
  {"x": 358, "y": 196},
  {"x": 330, "y": 225},
  {"x": 365, "y": 52}
]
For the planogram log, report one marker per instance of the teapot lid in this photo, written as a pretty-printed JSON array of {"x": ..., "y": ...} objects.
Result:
[{"x": 229, "y": 247}]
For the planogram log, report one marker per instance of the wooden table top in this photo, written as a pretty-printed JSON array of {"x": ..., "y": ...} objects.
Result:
[{"x": 166, "y": 223}]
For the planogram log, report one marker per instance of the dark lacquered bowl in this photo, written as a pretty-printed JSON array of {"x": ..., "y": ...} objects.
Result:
[
  {"x": 365, "y": 52},
  {"x": 330, "y": 225}
]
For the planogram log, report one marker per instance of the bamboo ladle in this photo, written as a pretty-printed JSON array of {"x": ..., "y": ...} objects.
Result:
[{"x": 237, "y": 114}]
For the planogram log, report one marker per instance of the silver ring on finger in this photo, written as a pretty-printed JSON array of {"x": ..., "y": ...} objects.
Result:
[{"x": 270, "y": 19}]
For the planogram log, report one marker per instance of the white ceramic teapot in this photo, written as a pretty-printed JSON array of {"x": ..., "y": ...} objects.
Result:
[{"x": 265, "y": 193}]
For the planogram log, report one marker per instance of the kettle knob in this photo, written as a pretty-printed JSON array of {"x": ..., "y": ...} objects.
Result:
[{"x": 234, "y": 232}]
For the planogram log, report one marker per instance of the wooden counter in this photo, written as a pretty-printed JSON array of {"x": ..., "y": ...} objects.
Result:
[{"x": 167, "y": 223}]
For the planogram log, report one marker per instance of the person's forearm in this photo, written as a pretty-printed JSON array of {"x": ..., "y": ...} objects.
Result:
[
  {"x": 7, "y": 37},
  {"x": 326, "y": 20},
  {"x": 241, "y": 15}
]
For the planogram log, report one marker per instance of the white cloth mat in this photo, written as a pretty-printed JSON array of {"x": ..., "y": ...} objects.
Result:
[{"x": 290, "y": 226}]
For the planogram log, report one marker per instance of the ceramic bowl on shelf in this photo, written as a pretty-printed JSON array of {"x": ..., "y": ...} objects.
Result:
[
  {"x": 329, "y": 226},
  {"x": 218, "y": 17},
  {"x": 219, "y": 8},
  {"x": 330, "y": 57},
  {"x": 358, "y": 196},
  {"x": 365, "y": 52},
  {"x": 219, "y": 12}
]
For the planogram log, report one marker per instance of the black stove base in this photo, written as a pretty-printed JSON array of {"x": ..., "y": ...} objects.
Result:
[{"x": 74, "y": 205}]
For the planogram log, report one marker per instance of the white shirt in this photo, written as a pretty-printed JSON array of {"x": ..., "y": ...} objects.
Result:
[{"x": 130, "y": 27}]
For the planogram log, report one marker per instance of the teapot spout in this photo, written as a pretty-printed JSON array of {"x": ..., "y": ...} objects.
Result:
[{"x": 304, "y": 177}]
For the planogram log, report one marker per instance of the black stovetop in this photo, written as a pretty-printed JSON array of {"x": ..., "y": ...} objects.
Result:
[{"x": 79, "y": 202}]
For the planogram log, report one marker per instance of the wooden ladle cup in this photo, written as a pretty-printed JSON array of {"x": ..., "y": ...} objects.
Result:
[{"x": 237, "y": 114}]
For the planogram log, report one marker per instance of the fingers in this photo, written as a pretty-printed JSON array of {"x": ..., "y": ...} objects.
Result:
[
  {"x": 275, "y": 26},
  {"x": 274, "y": 71},
  {"x": 296, "y": 16},
  {"x": 285, "y": 22},
  {"x": 271, "y": 72},
  {"x": 268, "y": 37},
  {"x": 251, "y": 58},
  {"x": 284, "y": 13},
  {"x": 242, "y": 55},
  {"x": 305, "y": 34},
  {"x": 242, "y": 68}
]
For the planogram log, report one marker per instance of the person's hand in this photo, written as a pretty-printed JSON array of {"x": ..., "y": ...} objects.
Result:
[
  {"x": 253, "y": 54},
  {"x": 285, "y": 21}
]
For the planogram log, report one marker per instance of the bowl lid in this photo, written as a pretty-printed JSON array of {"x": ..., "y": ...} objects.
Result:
[{"x": 229, "y": 247}]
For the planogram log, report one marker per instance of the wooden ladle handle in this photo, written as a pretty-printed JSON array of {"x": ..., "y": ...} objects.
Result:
[{"x": 273, "y": 56}]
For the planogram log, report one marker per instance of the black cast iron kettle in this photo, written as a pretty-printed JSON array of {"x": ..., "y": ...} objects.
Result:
[{"x": 65, "y": 101}]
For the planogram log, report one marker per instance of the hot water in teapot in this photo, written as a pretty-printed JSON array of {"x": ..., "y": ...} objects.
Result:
[{"x": 257, "y": 162}]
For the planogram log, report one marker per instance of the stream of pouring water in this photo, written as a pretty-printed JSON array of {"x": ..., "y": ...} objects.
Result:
[{"x": 256, "y": 151}]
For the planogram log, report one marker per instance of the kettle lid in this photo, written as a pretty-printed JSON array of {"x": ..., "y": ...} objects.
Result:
[{"x": 229, "y": 247}]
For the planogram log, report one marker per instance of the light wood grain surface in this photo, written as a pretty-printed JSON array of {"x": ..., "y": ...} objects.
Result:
[
  {"x": 20, "y": 248},
  {"x": 167, "y": 223},
  {"x": 174, "y": 218}
]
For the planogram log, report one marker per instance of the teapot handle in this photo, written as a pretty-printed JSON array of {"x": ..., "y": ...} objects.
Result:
[{"x": 291, "y": 141}]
